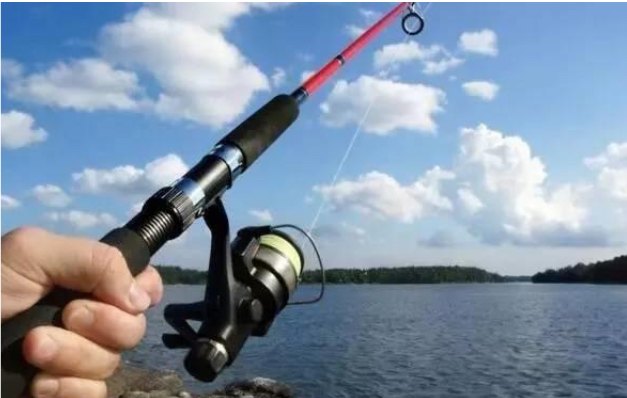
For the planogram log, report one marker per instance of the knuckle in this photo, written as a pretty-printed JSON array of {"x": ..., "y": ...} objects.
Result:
[
  {"x": 106, "y": 257},
  {"x": 106, "y": 262},
  {"x": 22, "y": 238}
]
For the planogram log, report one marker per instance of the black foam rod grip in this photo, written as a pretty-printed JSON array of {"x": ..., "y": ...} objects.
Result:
[
  {"x": 255, "y": 134},
  {"x": 16, "y": 372}
]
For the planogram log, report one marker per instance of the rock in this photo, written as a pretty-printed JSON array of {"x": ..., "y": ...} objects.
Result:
[
  {"x": 128, "y": 379},
  {"x": 136, "y": 394},
  {"x": 131, "y": 382},
  {"x": 258, "y": 387}
]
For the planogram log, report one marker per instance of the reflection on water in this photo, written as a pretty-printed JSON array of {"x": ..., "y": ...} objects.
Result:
[{"x": 498, "y": 340}]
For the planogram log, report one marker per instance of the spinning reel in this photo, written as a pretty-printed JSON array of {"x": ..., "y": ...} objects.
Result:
[{"x": 249, "y": 282}]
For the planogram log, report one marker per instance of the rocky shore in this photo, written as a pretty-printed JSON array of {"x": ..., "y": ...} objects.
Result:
[{"x": 132, "y": 382}]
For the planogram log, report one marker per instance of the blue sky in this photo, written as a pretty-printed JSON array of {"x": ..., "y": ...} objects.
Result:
[{"x": 496, "y": 137}]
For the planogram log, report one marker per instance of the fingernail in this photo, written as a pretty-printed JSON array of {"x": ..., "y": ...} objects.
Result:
[
  {"x": 47, "y": 348},
  {"x": 82, "y": 317},
  {"x": 46, "y": 388},
  {"x": 139, "y": 298}
]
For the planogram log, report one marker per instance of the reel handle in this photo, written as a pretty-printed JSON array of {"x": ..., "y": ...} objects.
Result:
[{"x": 17, "y": 374}]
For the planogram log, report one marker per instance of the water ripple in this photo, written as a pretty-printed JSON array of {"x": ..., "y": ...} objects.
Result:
[{"x": 510, "y": 340}]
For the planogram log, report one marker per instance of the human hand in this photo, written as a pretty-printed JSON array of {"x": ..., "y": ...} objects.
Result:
[{"x": 75, "y": 360}]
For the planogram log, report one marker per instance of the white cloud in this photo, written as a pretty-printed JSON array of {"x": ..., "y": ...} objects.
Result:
[
  {"x": 469, "y": 201},
  {"x": 135, "y": 208},
  {"x": 481, "y": 42},
  {"x": 518, "y": 206},
  {"x": 306, "y": 75},
  {"x": 497, "y": 189},
  {"x": 435, "y": 59},
  {"x": 19, "y": 130},
  {"x": 612, "y": 169},
  {"x": 262, "y": 215},
  {"x": 278, "y": 77},
  {"x": 397, "y": 105},
  {"x": 381, "y": 195},
  {"x": 130, "y": 180},
  {"x": 11, "y": 69},
  {"x": 368, "y": 17},
  {"x": 86, "y": 84},
  {"x": 615, "y": 155},
  {"x": 484, "y": 90},
  {"x": 9, "y": 203},
  {"x": 51, "y": 195},
  {"x": 82, "y": 220},
  {"x": 354, "y": 30},
  {"x": 392, "y": 55},
  {"x": 203, "y": 77},
  {"x": 437, "y": 67},
  {"x": 614, "y": 181}
]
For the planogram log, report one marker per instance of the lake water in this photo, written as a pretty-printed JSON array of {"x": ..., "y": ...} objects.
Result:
[{"x": 472, "y": 340}]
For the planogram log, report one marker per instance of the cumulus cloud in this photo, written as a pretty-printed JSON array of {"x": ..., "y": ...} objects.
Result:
[
  {"x": 203, "y": 77},
  {"x": 8, "y": 203},
  {"x": 404, "y": 52},
  {"x": 496, "y": 188},
  {"x": 482, "y": 42},
  {"x": 435, "y": 59},
  {"x": 382, "y": 196},
  {"x": 614, "y": 181},
  {"x": 484, "y": 90},
  {"x": 517, "y": 205},
  {"x": 470, "y": 203},
  {"x": 278, "y": 77},
  {"x": 437, "y": 67},
  {"x": 86, "y": 84},
  {"x": 306, "y": 75},
  {"x": 264, "y": 215},
  {"x": 81, "y": 219},
  {"x": 615, "y": 155},
  {"x": 367, "y": 18},
  {"x": 612, "y": 169},
  {"x": 398, "y": 105},
  {"x": 19, "y": 130},
  {"x": 129, "y": 180},
  {"x": 200, "y": 75},
  {"x": 354, "y": 30},
  {"x": 135, "y": 208},
  {"x": 51, "y": 195}
]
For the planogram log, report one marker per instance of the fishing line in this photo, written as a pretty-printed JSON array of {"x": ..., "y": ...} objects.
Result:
[{"x": 351, "y": 144}]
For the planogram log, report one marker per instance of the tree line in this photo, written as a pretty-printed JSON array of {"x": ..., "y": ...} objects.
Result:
[
  {"x": 408, "y": 275},
  {"x": 400, "y": 275},
  {"x": 609, "y": 271}
]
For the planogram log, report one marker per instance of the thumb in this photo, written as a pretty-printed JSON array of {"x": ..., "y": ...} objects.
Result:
[{"x": 78, "y": 264}]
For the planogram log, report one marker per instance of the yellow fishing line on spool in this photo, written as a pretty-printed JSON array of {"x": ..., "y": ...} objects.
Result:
[{"x": 284, "y": 247}]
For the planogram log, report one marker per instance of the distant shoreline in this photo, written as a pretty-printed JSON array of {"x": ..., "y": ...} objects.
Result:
[
  {"x": 173, "y": 275},
  {"x": 612, "y": 271}
]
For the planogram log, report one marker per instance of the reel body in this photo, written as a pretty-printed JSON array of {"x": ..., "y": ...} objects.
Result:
[{"x": 249, "y": 282}]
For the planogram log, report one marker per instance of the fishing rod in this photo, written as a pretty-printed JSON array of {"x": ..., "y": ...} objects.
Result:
[{"x": 250, "y": 280}]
